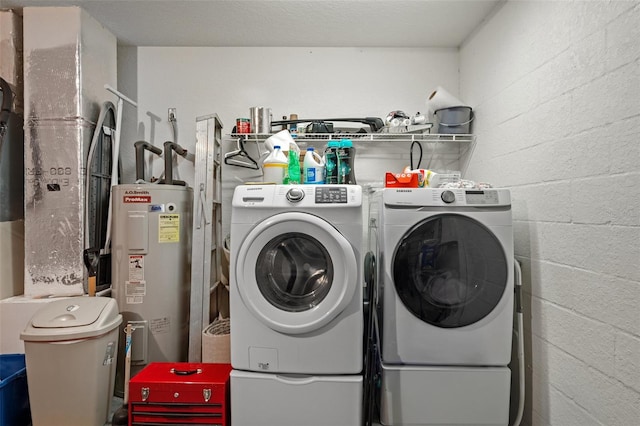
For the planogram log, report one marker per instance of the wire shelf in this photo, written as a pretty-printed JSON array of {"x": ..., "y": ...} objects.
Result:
[{"x": 373, "y": 137}]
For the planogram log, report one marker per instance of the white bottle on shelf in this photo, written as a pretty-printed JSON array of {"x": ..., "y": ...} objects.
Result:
[
  {"x": 313, "y": 167},
  {"x": 275, "y": 166}
]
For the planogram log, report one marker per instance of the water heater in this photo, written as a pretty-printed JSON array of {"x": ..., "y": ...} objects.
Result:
[{"x": 150, "y": 253}]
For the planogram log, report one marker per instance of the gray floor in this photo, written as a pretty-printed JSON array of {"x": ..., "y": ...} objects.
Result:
[{"x": 115, "y": 404}]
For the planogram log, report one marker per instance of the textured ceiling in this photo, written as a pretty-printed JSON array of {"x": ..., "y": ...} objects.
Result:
[{"x": 309, "y": 23}]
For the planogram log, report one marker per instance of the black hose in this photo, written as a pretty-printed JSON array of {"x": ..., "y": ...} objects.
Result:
[{"x": 414, "y": 143}]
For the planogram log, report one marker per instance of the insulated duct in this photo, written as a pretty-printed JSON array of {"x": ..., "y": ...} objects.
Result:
[{"x": 69, "y": 57}]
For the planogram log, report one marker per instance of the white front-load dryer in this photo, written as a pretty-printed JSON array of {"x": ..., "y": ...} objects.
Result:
[
  {"x": 447, "y": 276},
  {"x": 296, "y": 290}
]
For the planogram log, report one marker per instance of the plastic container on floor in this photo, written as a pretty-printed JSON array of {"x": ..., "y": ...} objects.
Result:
[
  {"x": 14, "y": 397},
  {"x": 70, "y": 349}
]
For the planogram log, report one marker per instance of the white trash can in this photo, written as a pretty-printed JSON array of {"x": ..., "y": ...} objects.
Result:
[{"x": 70, "y": 350}]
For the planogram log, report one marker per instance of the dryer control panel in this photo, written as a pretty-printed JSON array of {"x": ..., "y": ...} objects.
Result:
[
  {"x": 422, "y": 197},
  {"x": 482, "y": 196}
]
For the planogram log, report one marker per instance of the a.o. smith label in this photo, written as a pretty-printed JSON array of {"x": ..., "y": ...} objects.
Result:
[{"x": 144, "y": 199}]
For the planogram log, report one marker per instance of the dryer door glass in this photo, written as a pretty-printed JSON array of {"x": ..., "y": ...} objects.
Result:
[
  {"x": 450, "y": 270},
  {"x": 294, "y": 272}
]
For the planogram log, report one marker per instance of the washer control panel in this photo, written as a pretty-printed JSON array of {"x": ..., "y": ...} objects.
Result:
[
  {"x": 300, "y": 196},
  {"x": 331, "y": 195}
]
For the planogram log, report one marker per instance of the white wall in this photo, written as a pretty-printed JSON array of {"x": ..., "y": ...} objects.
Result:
[
  {"x": 556, "y": 90},
  {"x": 311, "y": 82}
]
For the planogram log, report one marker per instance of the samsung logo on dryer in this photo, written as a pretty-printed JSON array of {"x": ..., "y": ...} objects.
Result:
[
  {"x": 254, "y": 188},
  {"x": 404, "y": 190}
]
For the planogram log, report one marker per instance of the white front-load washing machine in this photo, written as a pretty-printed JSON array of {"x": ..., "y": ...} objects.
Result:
[
  {"x": 296, "y": 290},
  {"x": 447, "y": 276}
]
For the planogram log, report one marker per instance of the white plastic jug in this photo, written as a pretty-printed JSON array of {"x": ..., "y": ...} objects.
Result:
[
  {"x": 313, "y": 167},
  {"x": 275, "y": 166}
]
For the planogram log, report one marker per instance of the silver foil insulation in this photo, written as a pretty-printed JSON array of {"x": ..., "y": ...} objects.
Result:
[{"x": 68, "y": 58}]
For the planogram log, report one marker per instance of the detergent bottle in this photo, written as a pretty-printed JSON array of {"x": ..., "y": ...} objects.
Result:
[
  {"x": 346, "y": 153},
  {"x": 331, "y": 162},
  {"x": 293, "y": 171},
  {"x": 313, "y": 167},
  {"x": 274, "y": 166}
]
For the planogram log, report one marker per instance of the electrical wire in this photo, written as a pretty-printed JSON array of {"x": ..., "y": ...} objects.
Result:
[{"x": 419, "y": 145}]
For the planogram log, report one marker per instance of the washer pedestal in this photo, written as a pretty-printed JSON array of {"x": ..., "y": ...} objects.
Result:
[{"x": 259, "y": 399}]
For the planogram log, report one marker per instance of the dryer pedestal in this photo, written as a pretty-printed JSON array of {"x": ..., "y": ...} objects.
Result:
[{"x": 425, "y": 395}]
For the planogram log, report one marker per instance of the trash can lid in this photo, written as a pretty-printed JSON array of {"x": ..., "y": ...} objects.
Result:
[{"x": 73, "y": 318}]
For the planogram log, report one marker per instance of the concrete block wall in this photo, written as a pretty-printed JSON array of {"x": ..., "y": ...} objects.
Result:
[{"x": 556, "y": 91}]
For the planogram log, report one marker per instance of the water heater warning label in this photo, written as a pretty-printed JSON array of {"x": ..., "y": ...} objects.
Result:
[
  {"x": 135, "y": 291},
  {"x": 160, "y": 325},
  {"x": 136, "y": 267},
  {"x": 169, "y": 228}
]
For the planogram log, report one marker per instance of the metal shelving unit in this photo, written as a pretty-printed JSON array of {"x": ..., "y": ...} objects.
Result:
[
  {"x": 453, "y": 146},
  {"x": 206, "y": 257},
  {"x": 367, "y": 137}
]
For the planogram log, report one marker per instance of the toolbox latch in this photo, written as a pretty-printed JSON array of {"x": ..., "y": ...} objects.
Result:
[
  {"x": 145, "y": 393},
  {"x": 207, "y": 394}
]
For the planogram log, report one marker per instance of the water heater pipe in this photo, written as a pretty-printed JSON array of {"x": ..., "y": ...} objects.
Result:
[
  {"x": 168, "y": 157},
  {"x": 140, "y": 147}
]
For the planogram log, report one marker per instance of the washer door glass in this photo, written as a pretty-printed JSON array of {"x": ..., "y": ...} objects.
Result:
[
  {"x": 294, "y": 272},
  {"x": 450, "y": 270}
]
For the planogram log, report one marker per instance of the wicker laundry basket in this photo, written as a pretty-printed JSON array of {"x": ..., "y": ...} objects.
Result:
[{"x": 216, "y": 342}]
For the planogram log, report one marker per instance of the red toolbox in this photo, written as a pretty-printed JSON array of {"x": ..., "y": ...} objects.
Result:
[{"x": 180, "y": 393}]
